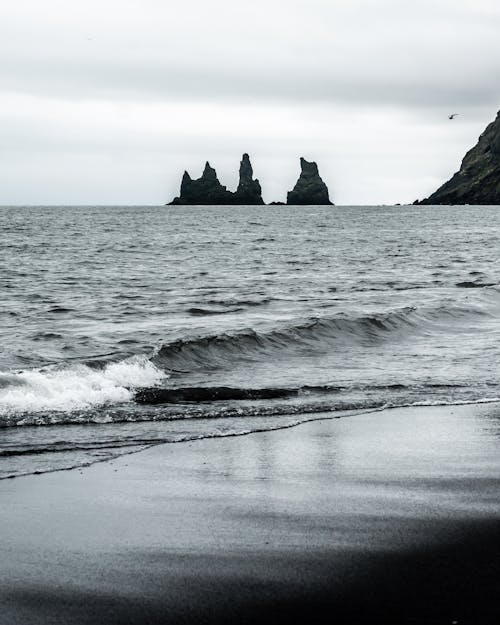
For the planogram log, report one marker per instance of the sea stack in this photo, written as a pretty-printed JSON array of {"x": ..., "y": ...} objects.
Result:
[
  {"x": 204, "y": 190},
  {"x": 249, "y": 190},
  {"x": 207, "y": 190},
  {"x": 478, "y": 180},
  {"x": 310, "y": 188}
]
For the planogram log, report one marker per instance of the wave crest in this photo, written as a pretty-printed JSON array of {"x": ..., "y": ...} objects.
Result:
[
  {"x": 311, "y": 336},
  {"x": 76, "y": 388}
]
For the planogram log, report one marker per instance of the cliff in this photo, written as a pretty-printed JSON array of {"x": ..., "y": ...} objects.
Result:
[
  {"x": 310, "y": 188},
  {"x": 478, "y": 180},
  {"x": 207, "y": 190}
]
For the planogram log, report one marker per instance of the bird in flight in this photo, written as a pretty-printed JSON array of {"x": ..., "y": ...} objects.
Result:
[{"x": 452, "y": 116}]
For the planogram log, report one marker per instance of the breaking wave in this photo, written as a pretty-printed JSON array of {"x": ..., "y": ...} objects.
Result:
[
  {"x": 81, "y": 387},
  {"x": 75, "y": 388}
]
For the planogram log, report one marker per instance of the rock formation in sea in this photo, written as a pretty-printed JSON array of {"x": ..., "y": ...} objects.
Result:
[
  {"x": 249, "y": 190},
  {"x": 310, "y": 188},
  {"x": 208, "y": 190},
  {"x": 478, "y": 180},
  {"x": 204, "y": 190}
]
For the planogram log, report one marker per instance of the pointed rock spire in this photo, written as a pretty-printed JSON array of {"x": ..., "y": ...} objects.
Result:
[
  {"x": 310, "y": 188},
  {"x": 204, "y": 190},
  {"x": 186, "y": 181},
  {"x": 249, "y": 190},
  {"x": 246, "y": 169},
  {"x": 209, "y": 172},
  {"x": 208, "y": 189}
]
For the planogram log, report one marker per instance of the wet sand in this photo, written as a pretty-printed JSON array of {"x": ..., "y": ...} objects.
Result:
[{"x": 388, "y": 517}]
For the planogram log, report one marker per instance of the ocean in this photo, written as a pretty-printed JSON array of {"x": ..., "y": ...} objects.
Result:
[{"x": 126, "y": 327}]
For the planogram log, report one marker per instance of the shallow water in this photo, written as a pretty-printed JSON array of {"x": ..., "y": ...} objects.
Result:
[{"x": 277, "y": 313}]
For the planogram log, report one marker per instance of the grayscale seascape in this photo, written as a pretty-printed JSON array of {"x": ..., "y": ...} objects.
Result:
[
  {"x": 250, "y": 312},
  {"x": 124, "y": 327}
]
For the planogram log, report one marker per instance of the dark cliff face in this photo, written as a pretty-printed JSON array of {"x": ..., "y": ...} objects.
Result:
[
  {"x": 310, "y": 188},
  {"x": 207, "y": 190},
  {"x": 478, "y": 181}
]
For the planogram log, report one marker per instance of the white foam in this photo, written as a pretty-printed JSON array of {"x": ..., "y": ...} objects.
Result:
[{"x": 76, "y": 388}]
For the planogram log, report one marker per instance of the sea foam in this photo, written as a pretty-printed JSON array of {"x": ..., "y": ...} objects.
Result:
[{"x": 75, "y": 388}]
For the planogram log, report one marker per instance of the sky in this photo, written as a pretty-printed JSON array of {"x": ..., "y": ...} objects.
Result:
[{"x": 108, "y": 102}]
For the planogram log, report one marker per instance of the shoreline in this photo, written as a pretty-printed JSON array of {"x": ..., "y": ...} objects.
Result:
[
  {"x": 392, "y": 516},
  {"x": 328, "y": 415}
]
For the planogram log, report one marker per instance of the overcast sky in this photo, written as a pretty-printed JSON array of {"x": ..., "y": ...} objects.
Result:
[{"x": 108, "y": 101}]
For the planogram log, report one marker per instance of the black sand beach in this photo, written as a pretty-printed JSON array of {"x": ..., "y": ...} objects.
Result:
[{"x": 388, "y": 517}]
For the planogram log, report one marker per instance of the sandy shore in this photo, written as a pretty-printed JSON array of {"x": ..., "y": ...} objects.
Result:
[{"x": 389, "y": 517}]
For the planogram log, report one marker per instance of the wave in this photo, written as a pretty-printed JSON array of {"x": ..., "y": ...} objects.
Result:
[
  {"x": 202, "y": 394},
  {"x": 309, "y": 336},
  {"x": 70, "y": 446},
  {"x": 78, "y": 387},
  {"x": 238, "y": 302},
  {"x": 183, "y": 395},
  {"x": 125, "y": 413},
  {"x": 186, "y": 404},
  {"x": 469, "y": 284},
  {"x": 203, "y": 312},
  {"x": 38, "y": 394}
]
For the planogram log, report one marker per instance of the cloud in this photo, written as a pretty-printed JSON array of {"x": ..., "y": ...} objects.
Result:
[{"x": 376, "y": 52}]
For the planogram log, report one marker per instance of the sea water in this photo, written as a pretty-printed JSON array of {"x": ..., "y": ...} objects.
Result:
[{"x": 123, "y": 327}]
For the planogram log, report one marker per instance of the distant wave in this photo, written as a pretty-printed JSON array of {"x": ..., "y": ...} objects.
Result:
[
  {"x": 202, "y": 312},
  {"x": 468, "y": 284},
  {"x": 238, "y": 302},
  {"x": 313, "y": 335}
]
